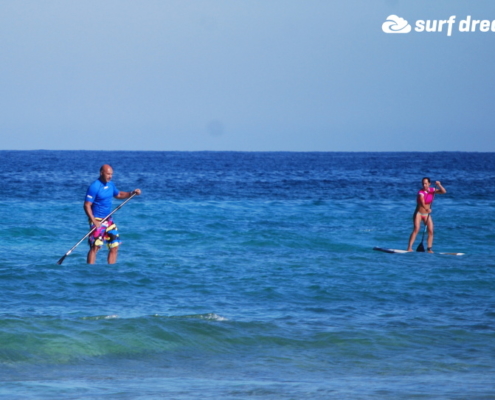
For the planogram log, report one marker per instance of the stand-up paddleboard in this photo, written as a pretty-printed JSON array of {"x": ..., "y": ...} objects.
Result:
[
  {"x": 389, "y": 250},
  {"x": 385, "y": 250}
]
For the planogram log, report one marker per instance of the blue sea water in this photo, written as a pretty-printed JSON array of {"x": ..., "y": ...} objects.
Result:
[{"x": 248, "y": 275}]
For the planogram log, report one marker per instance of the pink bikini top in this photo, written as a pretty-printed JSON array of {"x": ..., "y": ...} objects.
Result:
[{"x": 427, "y": 195}]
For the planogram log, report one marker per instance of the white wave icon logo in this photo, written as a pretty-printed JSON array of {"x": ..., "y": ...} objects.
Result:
[{"x": 395, "y": 24}]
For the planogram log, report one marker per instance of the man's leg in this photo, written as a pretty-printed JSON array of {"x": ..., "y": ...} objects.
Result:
[
  {"x": 113, "y": 241},
  {"x": 91, "y": 258},
  {"x": 112, "y": 255}
]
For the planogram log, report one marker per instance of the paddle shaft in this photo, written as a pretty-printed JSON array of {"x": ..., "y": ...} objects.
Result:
[{"x": 59, "y": 262}]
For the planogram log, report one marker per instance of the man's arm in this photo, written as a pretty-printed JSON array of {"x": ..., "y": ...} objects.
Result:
[
  {"x": 126, "y": 195},
  {"x": 89, "y": 213}
]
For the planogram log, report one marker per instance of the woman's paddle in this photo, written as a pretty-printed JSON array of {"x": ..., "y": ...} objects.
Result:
[
  {"x": 59, "y": 262},
  {"x": 420, "y": 247}
]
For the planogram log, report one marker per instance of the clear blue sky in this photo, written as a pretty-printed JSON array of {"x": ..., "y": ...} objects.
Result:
[{"x": 253, "y": 75}]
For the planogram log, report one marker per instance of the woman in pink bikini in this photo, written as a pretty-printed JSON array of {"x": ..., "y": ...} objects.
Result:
[{"x": 423, "y": 210}]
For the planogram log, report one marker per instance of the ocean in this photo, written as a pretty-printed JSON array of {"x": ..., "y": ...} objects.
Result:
[{"x": 248, "y": 275}]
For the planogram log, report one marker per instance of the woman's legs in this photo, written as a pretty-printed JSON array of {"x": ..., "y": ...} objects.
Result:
[{"x": 414, "y": 233}]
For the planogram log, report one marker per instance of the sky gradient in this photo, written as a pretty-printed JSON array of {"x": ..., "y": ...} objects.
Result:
[{"x": 244, "y": 75}]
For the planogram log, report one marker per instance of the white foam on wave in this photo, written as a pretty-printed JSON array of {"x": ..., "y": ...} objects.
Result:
[
  {"x": 98, "y": 317},
  {"x": 213, "y": 316},
  {"x": 209, "y": 316}
]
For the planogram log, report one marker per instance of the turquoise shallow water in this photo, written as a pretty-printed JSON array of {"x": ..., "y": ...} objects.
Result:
[{"x": 248, "y": 275}]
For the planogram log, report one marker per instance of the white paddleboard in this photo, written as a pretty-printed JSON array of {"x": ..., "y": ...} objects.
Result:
[
  {"x": 385, "y": 250},
  {"x": 389, "y": 250}
]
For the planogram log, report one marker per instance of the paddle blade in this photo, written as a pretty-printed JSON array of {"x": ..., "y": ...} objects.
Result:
[
  {"x": 59, "y": 262},
  {"x": 421, "y": 248}
]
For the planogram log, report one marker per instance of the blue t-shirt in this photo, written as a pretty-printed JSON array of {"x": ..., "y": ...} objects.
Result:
[{"x": 101, "y": 194}]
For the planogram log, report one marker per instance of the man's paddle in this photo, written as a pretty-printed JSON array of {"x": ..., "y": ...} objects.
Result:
[
  {"x": 59, "y": 262},
  {"x": 420, "y": 247}
]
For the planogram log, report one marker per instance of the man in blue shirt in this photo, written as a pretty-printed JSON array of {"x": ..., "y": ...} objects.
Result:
[{"x": 97, "y": 205}]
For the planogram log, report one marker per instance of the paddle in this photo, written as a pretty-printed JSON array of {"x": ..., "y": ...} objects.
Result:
[
  {"x": 59, "y": 262},
  {"x": 420, "y": 247}
]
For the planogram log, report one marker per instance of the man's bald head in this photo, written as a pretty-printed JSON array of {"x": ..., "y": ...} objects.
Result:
[{"x": 106, "y": 173}]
